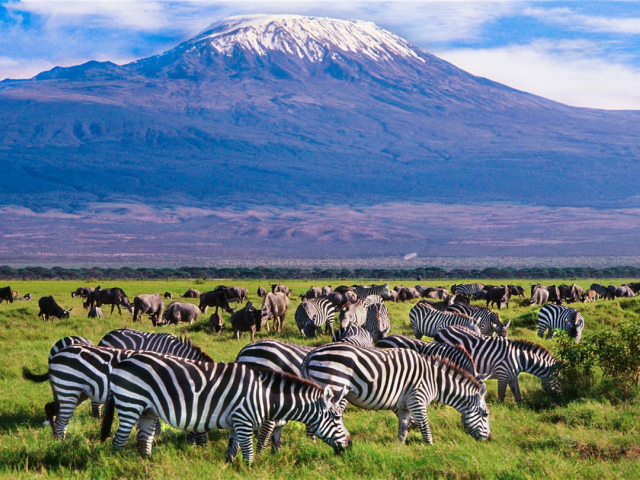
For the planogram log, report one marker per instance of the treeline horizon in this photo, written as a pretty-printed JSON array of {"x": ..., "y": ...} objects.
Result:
[{"x": 286, "y": 273}]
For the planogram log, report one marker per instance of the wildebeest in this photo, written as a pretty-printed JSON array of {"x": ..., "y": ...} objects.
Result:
[
  {"x": 215, "y": 298},
  {"x": 83, "y": 292},
  {"x": 327, "y": 289},
  {"x": 623, "y": 291},
  {"x": 109, "y": 296},
  {"x": 635, "y": 286},
  {"x": 95, "y": 312},
  {"x": 261, "y": 292},
  {"x": 275, "y": 307},
  {"x": 601, "y": 290},
  {"x": 436, "y": 293},
  {"x": 405, "y": 293},
  {"x": 181, "y": 312},
  {"x": 516, "y": 291},
  {"x": 216, "y": 323},
  {"x": 539, "y": 295},
  {"x": 576, "y": 293},
  {"x": 498, "y": 296},
  {"x": 49, "y": 308},
  {"x": 339, "y": 299},
  {"x": 191, "y": 293},
  {"x": 589, "y": 296},
  {"x": 168, "y": 295},
  {"x": 279, "y": 288},
  {"x": 150, "y": 304},
  {"x": 554, "y": 295},
  {"x": 312, "y": 293},
  {"x": 248, "y": 319},
  {"x": 392, "y": 295},
  {"x": 26, "y": 298},
  {"x": 344, "y": 288},
  {"x": 6, "y": 294},
  {"x": 239, "y": 294}
]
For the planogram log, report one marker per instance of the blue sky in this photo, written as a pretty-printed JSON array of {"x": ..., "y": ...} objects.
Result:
[{"x": 583, "y": 53}]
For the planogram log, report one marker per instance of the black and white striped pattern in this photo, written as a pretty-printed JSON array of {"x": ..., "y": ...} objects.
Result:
[
  {"x": 378, "y": 323},
  {"x": 364, "y": 292},
  {"x": 468, "y": 289},
  {"x": 455, "y": 354},
  {"x": 354, "y": 335},
  {"x": 66, "y": 342},
  {"x": 400, "y": 380},
  {"x": 488, "y": 321},
  {"x": 353, "y": 314},
  {"x": 425, "y": 321},
  {"x": 203, "y": 396},
  {"x": 504, "y": 359},
  {"x": 553, "y": 317},
  {"x": 128, "y": 339},
  {"x": 312, "y": 315}
]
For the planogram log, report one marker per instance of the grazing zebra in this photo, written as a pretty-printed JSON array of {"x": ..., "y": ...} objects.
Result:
[
  {"x": 378, "y": 323},
  {"x": 440, "y": 306},
  {"x": 353, "y": 314},
  {"x": 310, "y": 316},
  {"x": 427, "y": 321},
  {"x": 363, "y": 292},
  {"x": 403, "y": 381},
  {"x": 568, "y": 319},
  {"x": 66, "y": 342},
  {"x": 488, "y": 321},
  {"x": 455, "y": 354},
  {"x": 467, "y": 289},
  {"x": 354, "y": 335},
  {"x": 504, "y": 359},
  {"x": 128, "y": 339},
  {"x": 203, "y": 396}
]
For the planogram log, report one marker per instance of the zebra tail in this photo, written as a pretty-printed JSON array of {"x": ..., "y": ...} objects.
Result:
[
  {"x": 28, "y": 375},
  {"x": 107, "y": 419}
]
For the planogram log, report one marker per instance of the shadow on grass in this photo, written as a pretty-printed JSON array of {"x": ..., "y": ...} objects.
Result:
[{"x": 11, "y": 421}]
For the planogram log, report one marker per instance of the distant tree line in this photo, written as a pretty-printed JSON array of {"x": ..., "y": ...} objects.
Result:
[{"x": 418, "y": 274}]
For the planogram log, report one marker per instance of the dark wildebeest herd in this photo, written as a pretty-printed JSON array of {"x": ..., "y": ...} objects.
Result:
[{"x": 137, "y": 373}]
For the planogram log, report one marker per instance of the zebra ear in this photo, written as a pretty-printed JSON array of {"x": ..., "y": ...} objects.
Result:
[
  {"x": 508, "y": 323},
  {"x": 340, "y": 395},
  {"x": 481, "y": 377},
  {"x": 328, "y": 396}
]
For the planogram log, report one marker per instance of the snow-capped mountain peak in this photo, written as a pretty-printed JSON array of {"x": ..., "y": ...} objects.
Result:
[{"x": 310, "y": 38}]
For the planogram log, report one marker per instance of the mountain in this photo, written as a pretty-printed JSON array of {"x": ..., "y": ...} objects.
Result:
[{"x": 297, "y": 113}]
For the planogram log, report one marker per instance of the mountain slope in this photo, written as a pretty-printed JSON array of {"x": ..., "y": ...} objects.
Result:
[{"x": 291, "y": 111}]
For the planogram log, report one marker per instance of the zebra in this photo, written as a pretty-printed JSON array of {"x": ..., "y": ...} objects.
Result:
[
  {"x": 202, "y": 396},
  {"x": 129, "y": 339},
  {"x": 440, "y": 306},
  {"x": 353, "y": 314},
  {"x": 403, "y": 381},
  {"x": 66, "y": 342},
  {"x": 426, "y": 321},
  {"x": 505, "y": 359},
  {"x": 488, "y": 321},
  {"x": 467, "y": 289},
  {"x": 378, "y": 323},
  {"x": 363, "y": 291},
  {"x": 553, "y": 317},
  {"x": 372, "y": 300},
  {"x": 310, "y": 316},
  {"x": 353, "y": 335},
  {"x": 455, "y": 354}
]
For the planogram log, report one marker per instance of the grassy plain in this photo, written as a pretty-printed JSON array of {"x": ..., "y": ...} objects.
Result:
[{"x": 590, "y": 438}]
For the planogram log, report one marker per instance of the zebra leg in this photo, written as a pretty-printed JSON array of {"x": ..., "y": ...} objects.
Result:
[
  {"x": 158, "y": 430},
  {"x": 419, "y": 412},
  {"x": 551, "y": 334},
  {"x": 515, "y": 389},
  {"x": 276, "y": 439},
  {"x": 232, "y": 447},
  {"x": 96, "y": 409},
  {"x": 310, "y": 435},
  {"x": 244, "y": 435},
  {"x": 502, "y": 389},
  {"x": 66, "y": 406},
  {"x": 404, "y": 420},
  {"x": 128, "y": 418},
  {"x": 146, "y": 425},
  {"x": 197, "y": 438},
  {"x": 266, "y": 430}
]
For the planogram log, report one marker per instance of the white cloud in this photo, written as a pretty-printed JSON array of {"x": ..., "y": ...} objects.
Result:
[
  {"x": 17, "y": 69},
  {"x": 566, "y": 72},
  {"x": 572, "y": 19}
]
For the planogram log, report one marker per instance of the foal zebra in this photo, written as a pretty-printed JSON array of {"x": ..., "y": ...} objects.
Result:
[
  {"x": 488, "y": 321},
  {"x": 553, "y": 317},
  {"x": 426, "y": 321},
  {"x": 203, "y": 396},
  {"x": 455, "y": 354},
  {"x": 403, "y": 381},
  {"x": 310, "y": 316},
  {"x": 354, "y": 335},
  {"x": 504, "y": 359}
]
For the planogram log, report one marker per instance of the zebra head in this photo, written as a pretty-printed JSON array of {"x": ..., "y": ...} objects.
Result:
[
  {"x": 475, "y": 418},
  {"x": 499, "y": 329},
  {"x": 309, "y": 329},
  {"x": 574, "y": 326},
  {"x": 329, "y": 425}
]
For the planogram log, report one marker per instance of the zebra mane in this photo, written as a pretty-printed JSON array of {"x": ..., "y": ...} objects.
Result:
[
  {"x": 449, "y": 366},
  {"x": 203, "y": 356},
  {"x": 466, "y": 353},
  {"x": 269, "y": 373},
  {"x": 531, "y": 347}
]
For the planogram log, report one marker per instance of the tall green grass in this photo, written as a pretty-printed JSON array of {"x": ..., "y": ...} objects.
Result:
[{"x": 586, "y": 438}]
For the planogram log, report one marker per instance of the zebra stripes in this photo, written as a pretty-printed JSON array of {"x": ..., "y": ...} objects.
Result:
[
  {"x": 128, "y": 339},
  {"x": 354, "y": 335},
  {"x": 455, "y": 354},
  {"x": 363, "y": 292},
  {"x": 504, "y": 359},
  {"x": 467, "y": 289},
  {"x": 378, "y": 323},
  {"x": 66, "y": 342},
  {"x": 553, "y": 317},
  {"x": 310, "y": 316},
  {"x": 353, "y": 314},
  {"x": 403, "y": 381},
  {"x": 488, "y": 321},
  {"x": 203, "y": 396},
  {"x": 426, "y": 321},
  {"x": 276, "y": 355}
]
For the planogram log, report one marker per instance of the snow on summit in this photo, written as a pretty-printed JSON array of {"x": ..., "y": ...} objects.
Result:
[{"x": 309, "y": 38}]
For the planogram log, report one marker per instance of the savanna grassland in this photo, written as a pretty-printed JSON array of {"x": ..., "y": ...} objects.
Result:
[{"x": 591, "y": 437}]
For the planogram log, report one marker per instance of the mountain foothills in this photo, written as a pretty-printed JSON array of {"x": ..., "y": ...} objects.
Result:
[{"x": 292, "y": 111}]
